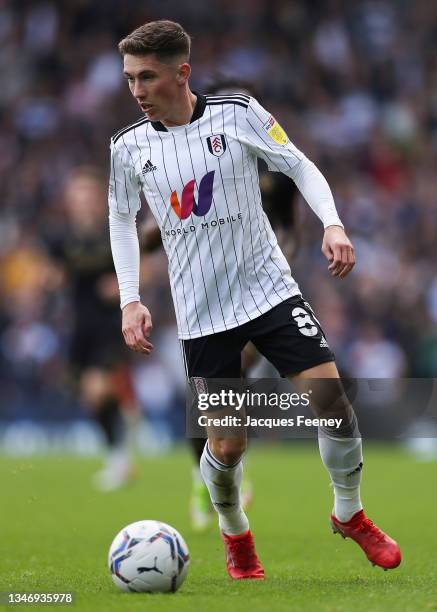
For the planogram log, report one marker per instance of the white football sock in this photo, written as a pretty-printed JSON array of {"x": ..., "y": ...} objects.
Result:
[
  {"x": 118, "y": 460},
  {"x": 223, "y": 484},
  {"x": 343, "y": 459}
]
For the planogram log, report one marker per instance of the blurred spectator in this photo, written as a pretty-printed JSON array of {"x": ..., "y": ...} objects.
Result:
[
  {"x": 373, "y": 356},
  {"x": 354, "y": 84}
]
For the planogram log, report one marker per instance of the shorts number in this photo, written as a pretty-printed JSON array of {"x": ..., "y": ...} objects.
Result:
[{"x": 303, "y": 319}]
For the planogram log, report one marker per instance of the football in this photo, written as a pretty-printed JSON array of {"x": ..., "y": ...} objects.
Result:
[{"x": 148, "y": 557}]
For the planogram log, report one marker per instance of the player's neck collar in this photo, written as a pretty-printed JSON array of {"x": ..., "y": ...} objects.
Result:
[{"x": 198, "y": 111}]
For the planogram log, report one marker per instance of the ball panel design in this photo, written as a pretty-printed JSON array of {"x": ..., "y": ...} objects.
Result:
[{"x": 148, "y": 556}]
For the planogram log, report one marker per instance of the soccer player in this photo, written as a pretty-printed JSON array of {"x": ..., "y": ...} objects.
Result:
[
  {"x": 96, "y": 355},
  {"x": 278, "y": 194},
  {"x": 195, "y": 159}
]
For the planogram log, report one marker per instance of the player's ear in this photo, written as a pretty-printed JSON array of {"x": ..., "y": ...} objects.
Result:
[{"x": 183, "y": 73}]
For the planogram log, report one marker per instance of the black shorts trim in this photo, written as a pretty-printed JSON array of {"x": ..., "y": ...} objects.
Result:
[{"x": 312, "y": 364}]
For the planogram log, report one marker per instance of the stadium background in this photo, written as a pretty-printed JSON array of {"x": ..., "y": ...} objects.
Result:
[{"x": 355, "y": 86}]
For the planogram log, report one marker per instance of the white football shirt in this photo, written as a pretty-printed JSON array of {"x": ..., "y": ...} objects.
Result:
[{"x": 201, "y": 183}]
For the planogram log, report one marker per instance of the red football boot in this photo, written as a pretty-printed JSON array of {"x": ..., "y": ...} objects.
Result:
[
  {"x": 241, "y": 558},
  {"x": 379, "y": 548}
]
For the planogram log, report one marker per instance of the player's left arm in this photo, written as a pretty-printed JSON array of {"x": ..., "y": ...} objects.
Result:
[
  {"x": 336, "y": 246},
  {"x": 267, "y": 139}
]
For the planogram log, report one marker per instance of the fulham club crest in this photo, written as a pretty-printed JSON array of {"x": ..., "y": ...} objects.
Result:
[
  {"x": 199, "y": 384},
  {"x": 216, "y": 144}
]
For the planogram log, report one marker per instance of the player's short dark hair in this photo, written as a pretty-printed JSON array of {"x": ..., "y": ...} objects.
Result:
[{"x": 166, "y": 39}]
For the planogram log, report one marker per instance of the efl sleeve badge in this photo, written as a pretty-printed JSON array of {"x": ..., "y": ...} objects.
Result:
[{"x": 275, "y": 131}]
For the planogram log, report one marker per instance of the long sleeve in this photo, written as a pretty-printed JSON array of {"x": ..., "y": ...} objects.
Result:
[
  {"x": 126, "y": 255},
  {"x": 124, "y": 202},
  {"x": 315, "y": 189},
  {"x": 265, "y": 137}
]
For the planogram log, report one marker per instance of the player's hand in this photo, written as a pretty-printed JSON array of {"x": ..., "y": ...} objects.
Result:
[
  {"x": 338, "y": 250},
  {"x": 136, "y": 327}
]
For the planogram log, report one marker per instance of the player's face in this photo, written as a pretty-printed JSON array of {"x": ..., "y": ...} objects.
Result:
[{"x": 155, "y": 85}]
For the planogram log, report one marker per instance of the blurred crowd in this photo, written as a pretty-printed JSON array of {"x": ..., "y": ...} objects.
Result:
[{"x": 355, "y": 86}]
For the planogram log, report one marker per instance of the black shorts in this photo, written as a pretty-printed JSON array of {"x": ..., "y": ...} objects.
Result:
[
  {"x": 288, "y": 335},
  {"x": 97, "y": 341}
]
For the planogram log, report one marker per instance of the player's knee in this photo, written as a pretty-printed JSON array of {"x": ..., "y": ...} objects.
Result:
[
  {"x": 95, "y": 388},
  {"x": 229, "y": 450}
]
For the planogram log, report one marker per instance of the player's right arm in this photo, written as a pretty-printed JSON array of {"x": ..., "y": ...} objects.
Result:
[{"x": 124, "y": 203}]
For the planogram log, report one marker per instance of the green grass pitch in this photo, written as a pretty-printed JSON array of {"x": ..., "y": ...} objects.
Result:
[{"x": 56, "y": 531}]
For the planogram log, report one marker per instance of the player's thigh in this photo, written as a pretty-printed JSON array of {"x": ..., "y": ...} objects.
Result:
[
  {"x": 213, "y": 364},
  {"x": 291, "y": 338},
  {"x": 214, "y": 356},
  {"x": 323, "y": 383}
]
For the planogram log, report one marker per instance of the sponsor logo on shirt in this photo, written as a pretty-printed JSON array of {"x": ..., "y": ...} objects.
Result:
[
  {"x": 188, "y": 204},
  {"x": 216, "y": 144},
  {"x": 275, "y": 131},
  {"x": 211, "y": 224},
  {"x": 148, "y": 167}
]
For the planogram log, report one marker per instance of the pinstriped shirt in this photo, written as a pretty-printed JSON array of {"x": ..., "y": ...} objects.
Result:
[{"x": 200, "y": 181}]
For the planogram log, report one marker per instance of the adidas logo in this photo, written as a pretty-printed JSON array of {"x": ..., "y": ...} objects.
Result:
[
  {"x": 149, "y": 167},
  {"x": 323, "y": 343},
  {"x": 357, "y": 469}
]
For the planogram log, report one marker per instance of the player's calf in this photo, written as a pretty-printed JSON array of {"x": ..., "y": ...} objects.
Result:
[{"x": 224, "y": 482}]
